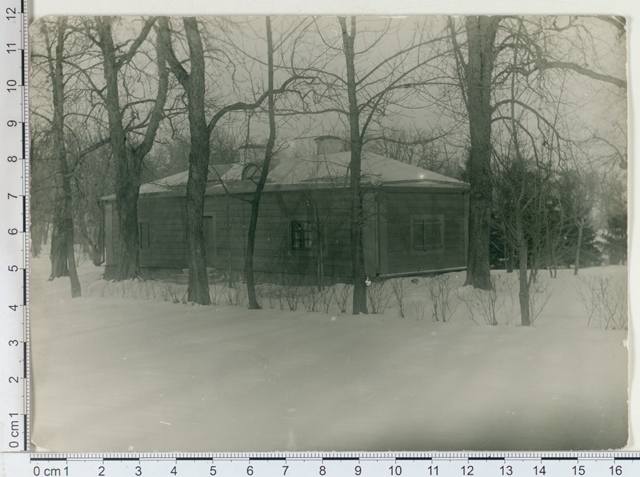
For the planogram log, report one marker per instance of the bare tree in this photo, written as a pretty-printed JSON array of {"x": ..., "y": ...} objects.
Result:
[
  {"x": 549, "y": 46},
  {"x": 201, "y": 131},
  {"x": 255, "y": 202},
  {"x": 62, "y": 240},
  {"x": 129, "y": 156},
  {"x": 366, "y": 92}
]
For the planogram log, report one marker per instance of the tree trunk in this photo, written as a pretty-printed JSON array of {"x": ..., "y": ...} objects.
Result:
[
  {"x": 255, "y": 203},
  {"x": 128, "y": 160},
  {"x": 198, "y": 291},
  {"x": 127, "y": 172},
  {"x": 523, "y": 294},
  {"x": 35, "y": 233},
  {"x": 357, "y": 216},
  {"x": 58, "y": 251},
  {"x": 62, "y": 258},
  {"x": 481, "y": 34},
  {"x": 578, "y": 247}
]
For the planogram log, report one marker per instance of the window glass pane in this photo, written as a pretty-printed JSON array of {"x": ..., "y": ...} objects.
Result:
[{"x": 301, "y": 236}]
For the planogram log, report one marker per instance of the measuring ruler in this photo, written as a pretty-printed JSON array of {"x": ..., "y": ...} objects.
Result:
[
  {"x": 14, "y": 262},
  {"x": 439, "y": 464}
]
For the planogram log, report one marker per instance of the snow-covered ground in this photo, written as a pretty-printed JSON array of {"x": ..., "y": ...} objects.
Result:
[{"x": 121, "y": 374}]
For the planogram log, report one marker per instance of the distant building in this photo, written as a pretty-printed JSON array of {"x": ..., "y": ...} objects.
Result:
[{"x": 415, "y": 220}]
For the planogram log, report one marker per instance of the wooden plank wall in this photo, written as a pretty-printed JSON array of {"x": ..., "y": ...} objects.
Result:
[
  {"x": 401, "y": 206},
  {"x": 273, "y": 253},
  {"x": 165, "y": 216}
]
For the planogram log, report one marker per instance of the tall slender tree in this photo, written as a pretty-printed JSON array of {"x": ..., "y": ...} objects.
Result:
[
  {"x": 255, "y": 202},
  {"x": 355, "y": 167},
  {"x": 62, "y": 242}
]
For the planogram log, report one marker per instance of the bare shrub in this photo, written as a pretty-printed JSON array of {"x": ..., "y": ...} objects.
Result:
[
  {"x": 493, "y": 307},
  {"x": 439, "y": 289},
  {"x": 235, "y": 295},
  {"x": 342, "y": 292},
  {"x": 268, "y": 293},
  {"x": 326, "y": 298},
  {"x": 399, "y": 287},
  {"x": 214, "y": 292},
  {"x": 310, "y": 298},
  {"x": 378, "y": 296},
  {"x": 539, "y": 295},
  {"x": 418, "y": 309},
  {"x": 172, "y": 292},
  {"x": 292, "y": 296},
  {"x": 604, "y": 301},
  {"x": 316, "y": 300}
]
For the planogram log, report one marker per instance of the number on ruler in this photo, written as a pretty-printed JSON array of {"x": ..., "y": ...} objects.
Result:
[
  {"x": 11, "y": 13},
  {"x": 11, "y": 83},
  {"x": 397, "y": 470}
]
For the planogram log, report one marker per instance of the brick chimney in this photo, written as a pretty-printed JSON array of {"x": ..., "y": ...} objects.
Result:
[{"x": 328, "y": 144}]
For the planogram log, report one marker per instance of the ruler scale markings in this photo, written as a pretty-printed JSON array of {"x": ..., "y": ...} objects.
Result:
[{"x": 47, "y": 459}]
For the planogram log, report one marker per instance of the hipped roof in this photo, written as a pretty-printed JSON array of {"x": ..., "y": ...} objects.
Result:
[
  {"x": 333, "y": 170},
  {"x": 318, "y": 171}
]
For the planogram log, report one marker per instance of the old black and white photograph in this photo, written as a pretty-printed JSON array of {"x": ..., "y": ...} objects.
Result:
[{"x": 328, "y": 233}]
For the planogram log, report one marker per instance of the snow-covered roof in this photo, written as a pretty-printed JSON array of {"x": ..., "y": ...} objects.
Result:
[
  {"x": 333, "y": 170},
  {"x": 325, "y": 170},
  {"x": 176, "y": 184}
]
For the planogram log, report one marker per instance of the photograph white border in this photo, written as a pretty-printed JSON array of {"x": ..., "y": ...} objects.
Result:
[{"x": 628, "y": 8}]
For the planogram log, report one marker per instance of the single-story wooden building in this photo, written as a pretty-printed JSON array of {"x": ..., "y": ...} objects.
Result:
[{"x": 415, "y": 220}]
